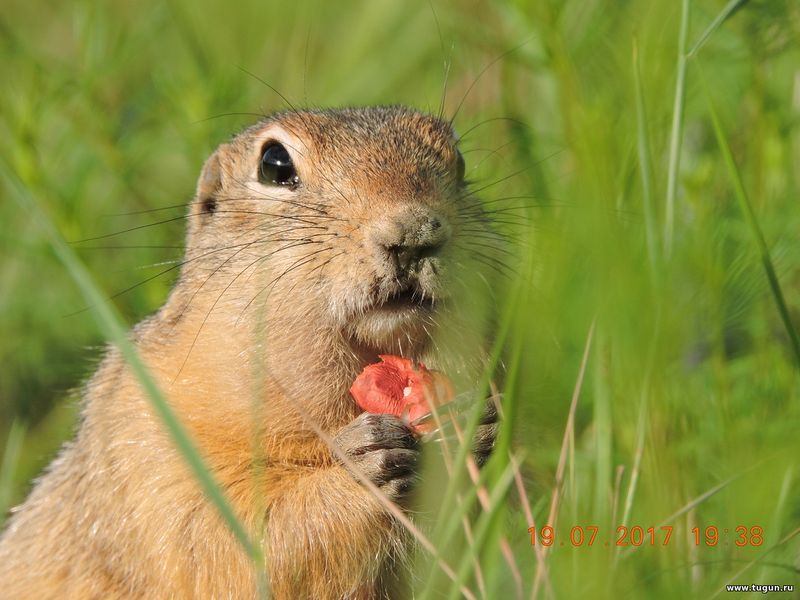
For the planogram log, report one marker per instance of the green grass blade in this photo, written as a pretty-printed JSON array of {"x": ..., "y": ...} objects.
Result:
[
  {"x": 778, "y": 515},
  {"x": 449, "y": 517},
  {"x": 8, "y": 467},
  {"x": 752, "y": 222},
  {"x": 645, "y": 164},
  {"x": 115, "y": 330},
  {"x": 692, "y": 504},
  {"x": 450, "y": 528},
  {"x": 603, "y": 437},
  {"x": 723, "y": 16},
  {"x": 482, "y": 530},
  {"x": 459, "y": 472},
  {"x": 520, "y": 295},
  {"x": 738, "y": 574},
  {"x": 676, "y": 134}
]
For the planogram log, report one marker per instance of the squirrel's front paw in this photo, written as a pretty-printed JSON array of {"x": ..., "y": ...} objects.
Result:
[
  {"x": 382, "y": 448},
  {"x": 483, "y": 442}
]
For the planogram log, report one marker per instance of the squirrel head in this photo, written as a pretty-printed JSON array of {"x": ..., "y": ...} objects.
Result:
[{"x": 354, "y": 221}]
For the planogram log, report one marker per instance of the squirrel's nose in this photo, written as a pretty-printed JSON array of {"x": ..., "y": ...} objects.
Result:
[{"x": 405, "y": 242}]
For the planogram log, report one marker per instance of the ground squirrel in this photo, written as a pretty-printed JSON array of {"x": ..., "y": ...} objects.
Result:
[{"x": 316, "y": 241}]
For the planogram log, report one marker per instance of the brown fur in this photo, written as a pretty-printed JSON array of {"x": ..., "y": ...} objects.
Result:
[{"x": 264, "y": 332}]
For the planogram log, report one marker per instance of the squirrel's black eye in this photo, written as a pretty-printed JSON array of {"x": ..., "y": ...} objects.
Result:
[
  {"x": 460, "y": 167},
  {"x": 276, "y": 166}
]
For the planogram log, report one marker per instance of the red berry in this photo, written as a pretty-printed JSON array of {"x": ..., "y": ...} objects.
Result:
[{"x": 396, "y": 386}]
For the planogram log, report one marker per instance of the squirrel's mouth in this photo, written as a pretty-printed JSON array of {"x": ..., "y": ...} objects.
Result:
[
  {"x": 408, "y": 297},
  {"x": 398, "y": 320}
]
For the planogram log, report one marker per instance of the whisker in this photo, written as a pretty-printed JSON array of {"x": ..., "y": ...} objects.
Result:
[
  {"x": 256, "y": 115},
  {"x": 523, "y": 197},
  {"x": 491, "y": 247},
  {"x": 300, "y": 219},
  {"x": 108, "y": 235},
  {"x": 134, "y": 247},
  {"x": 475, "y": 81},
  {"x": 211, "y": 309},
  {"x": 281, "y": 96},
  {"x": 490, "y": 261},
  {"x": 149, "y": 210},
  {"x": 273, "y": 253},
  {"x": 151, "y": 278},
  {"x": 447, "y": 61},
  {"x": 318, "y": 267},
  {"x": 216, "y": 270},
  {"x": 298, "y": 263},
  {"x": 485, "y": 121},
  {"x": 495, "y": 152},
  {"x": 494, "y": 221}
]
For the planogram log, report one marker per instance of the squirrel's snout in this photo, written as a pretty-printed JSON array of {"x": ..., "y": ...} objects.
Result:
[{"x": 403, "y": 242}]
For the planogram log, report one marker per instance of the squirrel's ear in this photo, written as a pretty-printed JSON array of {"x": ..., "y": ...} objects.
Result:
[{"x": 210, "y": 182}]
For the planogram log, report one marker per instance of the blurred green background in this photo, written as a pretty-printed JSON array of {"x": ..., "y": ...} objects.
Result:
[{"x": 107, "y": 110}]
